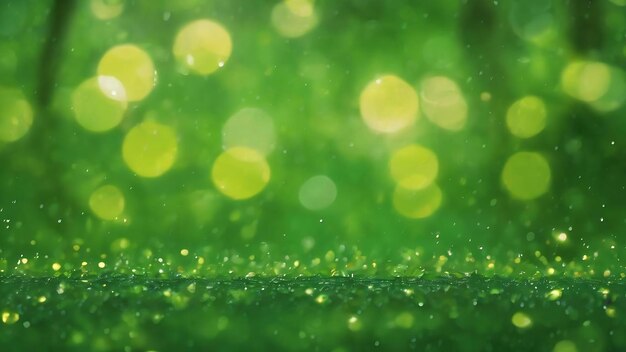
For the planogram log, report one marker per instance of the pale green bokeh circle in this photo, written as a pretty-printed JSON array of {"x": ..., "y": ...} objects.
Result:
[
  {"x": 443, "y": 103},
  {"x": 294, "y": 18},
  {"x": 16, "y": 115},
  {"x": 318, "y": 192},
  {"x": 252, "y": 128}
]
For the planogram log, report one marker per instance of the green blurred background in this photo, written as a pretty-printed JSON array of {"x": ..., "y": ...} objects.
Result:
[{"x": 179, "y": 223}]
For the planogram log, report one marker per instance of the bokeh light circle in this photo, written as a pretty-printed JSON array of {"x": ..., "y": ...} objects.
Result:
[
  {"x": 294, "y": 18},
  {"x": 388, "y": 104},
  {"x": 521, "y": 320},
  {"x": 526, "y": 175},
  {"x": 565, "y": 346},
  {"x": 16, "y": 114},
  {"x": 93, "y": 109},
  {"x": 202, "y": 46},
  {"x": 443, "y": 103},
  {"x": 150, "y": 148},
  {"x": 240, "y": 173},
  {"x": 107, "y": 202},
  {"x": 526, "y": 117},
  {"x": 318, "y": 192},
  {"x": 132, "y": 66},
  {"x": 586, "y": 80},
  {"x": 615, "y": 94},
  {"x": 414, "y": 167},
  {"x": 106, "y": 9},
  {"x": 252, "y": 128},
  {"x": 417, "y": 204},
  {"x": 532, "y": 20}
]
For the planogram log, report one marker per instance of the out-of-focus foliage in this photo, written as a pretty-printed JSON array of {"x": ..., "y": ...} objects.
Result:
[{"x": 238, "y": 138}]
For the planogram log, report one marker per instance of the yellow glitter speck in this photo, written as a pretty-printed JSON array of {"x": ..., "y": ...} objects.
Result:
[
  {"x": 521, "y": 320},
  {"x": 10, "y": 317}
]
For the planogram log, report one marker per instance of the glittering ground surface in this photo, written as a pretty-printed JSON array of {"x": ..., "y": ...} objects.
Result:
[
  {"x": 301, "y": 160},
  {"x": 469, "y": 313}
]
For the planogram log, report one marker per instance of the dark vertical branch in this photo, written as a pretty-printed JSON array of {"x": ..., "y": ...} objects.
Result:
[
  {"x": 45, "y": 132},
  {"x": 52, "y": 50},
  {"x": 586, "y": 25}
]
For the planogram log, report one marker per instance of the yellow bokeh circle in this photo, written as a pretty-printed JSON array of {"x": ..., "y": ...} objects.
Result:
[
  {"x": 526, "y": 175},
  {"x": 202, "y": 46},
  {"x": 150, "y": 148},
  {"x": 526, "y": 117},
  {"x": 107, "y": 202},
  {"x": 16, "y": 115},
  {"x": 417, "y": 204},
  {"x": 240, "y": 173},
  {"x": 414, "y": 167},
  {"x": 132, "y": 66},
  {"x": 443, "y": 103},
  {"x": 93, "y": 109},
  {"x": 388, "y": 104}
]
